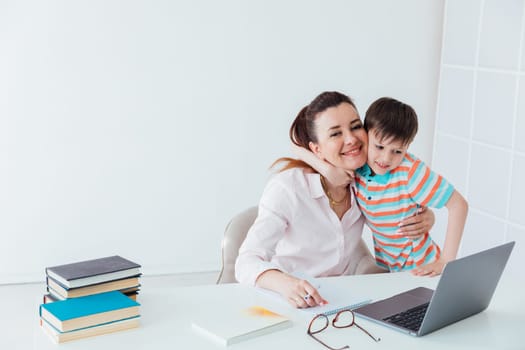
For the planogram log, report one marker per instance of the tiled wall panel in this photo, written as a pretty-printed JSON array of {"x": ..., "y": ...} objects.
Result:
[
  {"x": 480, "y": 122},
  {"x": 455, "y": 105},
  {"x": 452, "y": 157},
  {"x": 494, "y": 108},
  {"x": 519, "y": 130},
  {"x": 461, "y": 32},
  {"x": 489, "y": 179},
  {"x": 500, "y": 34},
  {"x": 481, "y": 232},
  {"x": 516, "y": 212}
]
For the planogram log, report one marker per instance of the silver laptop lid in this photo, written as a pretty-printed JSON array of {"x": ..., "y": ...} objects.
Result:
[{"x": 466, "y": 287}]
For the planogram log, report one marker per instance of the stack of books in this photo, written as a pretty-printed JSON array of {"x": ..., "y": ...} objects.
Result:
[
  {"x": 91, "y": 277},
  {"x": 90, "y": 315},
  {"x": 90, "y": 298}
]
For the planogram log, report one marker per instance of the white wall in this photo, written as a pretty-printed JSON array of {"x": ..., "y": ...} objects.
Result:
[
  {"x": 479, "y": 143},
  {"x": 140, "y": 127}
]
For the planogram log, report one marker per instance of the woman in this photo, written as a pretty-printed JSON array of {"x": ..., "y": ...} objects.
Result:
[{"x": 305, "y": 224}]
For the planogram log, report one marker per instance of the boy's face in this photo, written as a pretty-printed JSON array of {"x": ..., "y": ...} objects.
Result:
[{"x": 384, "y": 155}]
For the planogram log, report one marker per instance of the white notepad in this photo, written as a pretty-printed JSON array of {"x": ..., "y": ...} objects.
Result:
[{"x": 338, "y": 298}]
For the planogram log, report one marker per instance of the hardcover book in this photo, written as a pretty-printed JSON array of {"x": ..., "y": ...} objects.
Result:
[
  {"x": 240, "y": 325},
  {"x": 70, "y": 314},
  {"x": 60, "y": 337},
  {"x": 63, "y": 292},
  {"x": 94, "y": 271},
  {"x": 51, "y": 296}
]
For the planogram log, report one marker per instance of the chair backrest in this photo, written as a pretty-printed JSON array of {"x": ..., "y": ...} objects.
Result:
[{"x": 234, "y": 235}]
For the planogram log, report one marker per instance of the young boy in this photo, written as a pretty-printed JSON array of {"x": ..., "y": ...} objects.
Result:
[{"x": 393, "y": 185}]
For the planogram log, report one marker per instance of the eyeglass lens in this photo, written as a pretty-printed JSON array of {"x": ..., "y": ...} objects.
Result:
[{"x": 343, "y": 319}]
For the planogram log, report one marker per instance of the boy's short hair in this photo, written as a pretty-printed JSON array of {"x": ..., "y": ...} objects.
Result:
[{"x": 391, "y": 118}]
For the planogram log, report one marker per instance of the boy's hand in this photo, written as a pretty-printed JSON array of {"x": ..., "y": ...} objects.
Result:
[
  {"x": 430, "y": 270},
  {"x": 338, "y": 177},
  {"x": 335, "y": 176}
]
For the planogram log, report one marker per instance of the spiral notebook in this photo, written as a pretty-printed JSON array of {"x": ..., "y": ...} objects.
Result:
[{"x": 338, "y": 298}]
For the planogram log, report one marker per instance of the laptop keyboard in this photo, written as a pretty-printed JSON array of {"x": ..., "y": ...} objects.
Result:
[{"x": 410, "y": 318}]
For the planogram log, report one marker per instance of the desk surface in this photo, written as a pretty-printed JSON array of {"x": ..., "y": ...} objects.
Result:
[{"x": 167, "y": 313}]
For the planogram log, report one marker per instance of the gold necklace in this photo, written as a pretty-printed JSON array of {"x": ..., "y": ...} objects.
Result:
[{"x": 332, "y": 201}]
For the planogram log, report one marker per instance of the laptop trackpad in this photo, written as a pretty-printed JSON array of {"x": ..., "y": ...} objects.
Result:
[{"x": 398, "y": 303}]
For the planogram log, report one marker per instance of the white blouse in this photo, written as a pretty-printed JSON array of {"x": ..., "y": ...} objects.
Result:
[{"x": 297, "y": 231}]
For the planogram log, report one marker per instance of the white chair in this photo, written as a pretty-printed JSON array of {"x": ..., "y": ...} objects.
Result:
[{"x": 235, "y": 233}]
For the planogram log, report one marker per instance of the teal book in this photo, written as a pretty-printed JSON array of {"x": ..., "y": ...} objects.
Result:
[{"x": 87, "y": 311}]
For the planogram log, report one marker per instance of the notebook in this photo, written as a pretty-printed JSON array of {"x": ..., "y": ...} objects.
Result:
[
  {"x": 338, "y": 298},
  {"x": 228, "y": 327},
  {"x": 465, "y": 288}
]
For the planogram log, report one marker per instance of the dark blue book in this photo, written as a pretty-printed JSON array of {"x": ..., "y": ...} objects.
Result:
[
  {"x": 94, "y": 271},
  {"x": 88, "y": 311}
]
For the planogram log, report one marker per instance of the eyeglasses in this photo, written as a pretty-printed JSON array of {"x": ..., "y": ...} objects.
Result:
[{"x": 343, "y": 319}]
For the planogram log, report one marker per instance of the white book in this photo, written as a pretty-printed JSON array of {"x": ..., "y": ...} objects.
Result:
[{"x": 240, "y": 325}]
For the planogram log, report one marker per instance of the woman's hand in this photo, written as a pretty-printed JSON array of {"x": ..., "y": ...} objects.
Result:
[
  {"x": 298, "y": 292},
  {"x": 418, "y": 224}
]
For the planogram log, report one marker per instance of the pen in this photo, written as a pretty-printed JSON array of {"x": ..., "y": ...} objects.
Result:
[{"x": 307, "y": 296}]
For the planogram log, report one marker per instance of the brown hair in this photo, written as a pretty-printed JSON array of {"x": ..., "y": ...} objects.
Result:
[
  {"x": 391, "y": 118},
  {"x": 303, "y": 131}
]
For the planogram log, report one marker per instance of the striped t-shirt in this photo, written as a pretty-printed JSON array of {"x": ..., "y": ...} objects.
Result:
[{"x": 387, "y": 199}]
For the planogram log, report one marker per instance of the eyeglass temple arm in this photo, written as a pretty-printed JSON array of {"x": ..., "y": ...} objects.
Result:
[
  {"x": 329, "y": 347},
  {"x": 364, "y": 330}
]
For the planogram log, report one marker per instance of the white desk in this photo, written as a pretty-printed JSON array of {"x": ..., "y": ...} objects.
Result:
[{"x": 167, "y": 312}]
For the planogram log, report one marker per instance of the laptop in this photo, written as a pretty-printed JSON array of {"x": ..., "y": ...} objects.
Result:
[{"x": 465, "y": 288}]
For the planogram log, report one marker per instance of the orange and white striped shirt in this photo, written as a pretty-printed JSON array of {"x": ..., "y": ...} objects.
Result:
[{"x": 387, "y": 199}]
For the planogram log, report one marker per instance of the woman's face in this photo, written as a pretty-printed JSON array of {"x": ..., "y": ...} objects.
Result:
[{"x": 342, "y": 140}]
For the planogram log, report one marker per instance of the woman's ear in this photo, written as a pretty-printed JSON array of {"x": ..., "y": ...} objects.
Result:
[{"x": 314, "y": 147}]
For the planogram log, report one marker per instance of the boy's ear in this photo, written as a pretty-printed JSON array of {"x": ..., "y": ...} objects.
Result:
[{"x": 314, "y": 147}]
